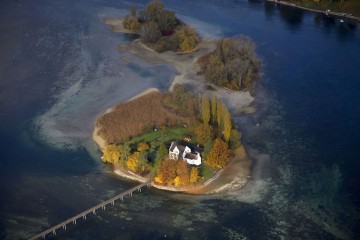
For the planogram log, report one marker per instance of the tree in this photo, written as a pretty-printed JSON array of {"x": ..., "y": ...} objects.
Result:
[
  {"x": 142, "y": 164},
  {"x": 219, "y": 112},
  {"x": 161, "y": 153},
  {"x": 166, "y": 172},
  {"x": 226, "y": 123},
  {"x": 150, "y": 32},
  {"x": 213, "y": 109},
  {"x": 167, "y": 43},
  {"x": 215, "y": 71},
  {"x": 166, "y": 20},
  {"x": 219, "y": 156},
  {"x": 125, "y": 151},
  {"x": 188, "y": 38},
  {"x": 203, "y": 133},
  {"x": 194, "y": 175},
  {"x": 131, "y": 23},
  {"x": 111, "y": 154},
  {"x": 133, "y": 162},
  {"x": 182, "y": 172},
  {"x": 207, "y": 148},
  {"x": 153, "y": 8},
  {"x": 205, "y": 109},
  {"x": 142, "y": 147}
]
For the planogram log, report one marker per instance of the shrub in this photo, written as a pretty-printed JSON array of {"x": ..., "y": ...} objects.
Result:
[
  {"x": 188, "y": 38},
  {"x": 131, "y": 23},
  {"x": 150, "y": 32}
]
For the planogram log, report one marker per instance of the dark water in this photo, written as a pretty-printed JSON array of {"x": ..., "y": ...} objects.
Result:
[{"x": 60, "y": 68}]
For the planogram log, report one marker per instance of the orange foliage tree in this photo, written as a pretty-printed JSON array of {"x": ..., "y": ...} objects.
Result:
[
  {"x": 218, "y": 156},
  {"x": 166, "y": 173},
  {"x": 182, "y": 172},
  {"x": 142, "y": 147}
]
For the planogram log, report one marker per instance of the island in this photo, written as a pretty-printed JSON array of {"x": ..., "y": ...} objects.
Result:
[{"x": 182, "y": 139}]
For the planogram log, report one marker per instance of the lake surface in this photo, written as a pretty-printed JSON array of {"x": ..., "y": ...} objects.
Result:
[{"x": 60, "y": 69}]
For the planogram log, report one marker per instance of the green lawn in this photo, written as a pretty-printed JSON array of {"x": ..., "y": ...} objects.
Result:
[
  {"x": 163, "y": 135},
  {"x": 206, "y": 171}
]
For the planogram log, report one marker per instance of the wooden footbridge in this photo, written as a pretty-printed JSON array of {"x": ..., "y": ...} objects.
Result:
[{"x": 83, "y": 214}]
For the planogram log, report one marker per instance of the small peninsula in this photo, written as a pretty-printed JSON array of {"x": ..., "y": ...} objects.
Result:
[{"x": 183, "y": 139}]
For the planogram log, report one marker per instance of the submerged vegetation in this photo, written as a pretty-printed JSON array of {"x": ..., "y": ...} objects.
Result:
[
  {"x": 160, "y": 29},
  {"x": 139, "y": 140}
]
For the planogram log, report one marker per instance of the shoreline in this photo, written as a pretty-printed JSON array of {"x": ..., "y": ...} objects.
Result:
[
  {"x": 327, "y": 13},
  {"x": 231, "y": 175},
  {"x": 185, "y": 64}
]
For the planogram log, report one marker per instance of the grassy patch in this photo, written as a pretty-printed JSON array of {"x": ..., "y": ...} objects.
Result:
[
  {"x": 162, "y": 136},
  {"x": 206, "y": 171}
]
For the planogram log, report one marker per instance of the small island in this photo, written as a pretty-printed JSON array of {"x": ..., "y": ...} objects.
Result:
[{"x": 180, "y": 140}]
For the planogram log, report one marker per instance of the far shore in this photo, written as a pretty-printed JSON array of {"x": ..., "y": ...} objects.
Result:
[{"x": 328, "y": 13}]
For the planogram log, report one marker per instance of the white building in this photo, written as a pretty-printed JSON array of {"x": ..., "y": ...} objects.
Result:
[{"x": 176, "y": 151}]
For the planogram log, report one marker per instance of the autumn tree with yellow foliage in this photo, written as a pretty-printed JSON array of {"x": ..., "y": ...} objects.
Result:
[
  {"x": 213, "y": 109},
  {"x": 194, "y": 175},
  {"x": 227, "y": 124},
  {"x": 111, "y": 154},
  {"x": 205, "y": 109},
  {"x": 219, "y": 156},
  {"x": 188, "y": 38},
  {"x": 133, "y": 163}
]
